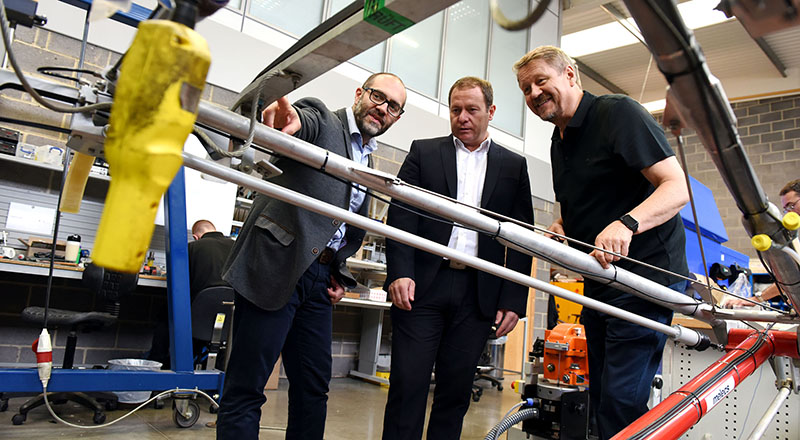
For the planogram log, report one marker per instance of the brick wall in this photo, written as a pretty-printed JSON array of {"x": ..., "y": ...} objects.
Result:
[{"x": 770, "y": 132}]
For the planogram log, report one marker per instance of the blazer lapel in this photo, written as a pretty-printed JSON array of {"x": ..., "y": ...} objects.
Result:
[
  {"x": 342, "y": 114},
  {"x": 448, "y": 150},
  {"x": 493, "y": 163}
]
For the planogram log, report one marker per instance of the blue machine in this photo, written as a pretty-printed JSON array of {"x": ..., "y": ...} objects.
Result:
[{"x": 712, "y": 233}]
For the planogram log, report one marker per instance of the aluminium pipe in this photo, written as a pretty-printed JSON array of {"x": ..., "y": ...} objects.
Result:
[
  {"x": 508, "y": 233},
  {"x": 769, "y": 414},
  {"x": 683, "y": 335}
]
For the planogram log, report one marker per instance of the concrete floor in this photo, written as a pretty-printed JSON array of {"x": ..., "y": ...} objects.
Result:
[{"x": 355, "y": 411}]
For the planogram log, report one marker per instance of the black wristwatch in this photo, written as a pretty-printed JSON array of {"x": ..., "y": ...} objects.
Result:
[{"x": 630, "y": 222}]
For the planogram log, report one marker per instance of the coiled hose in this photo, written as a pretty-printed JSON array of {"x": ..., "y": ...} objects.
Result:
[{"x": 511, "y": 420}]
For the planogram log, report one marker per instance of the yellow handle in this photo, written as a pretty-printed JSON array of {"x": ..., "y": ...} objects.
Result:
[
  {"x": 75, "y": 185},
  {"x": 155, "y": 106}
]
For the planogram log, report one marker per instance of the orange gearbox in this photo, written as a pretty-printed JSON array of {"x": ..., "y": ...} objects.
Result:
[{"x": 565, "y": 358}]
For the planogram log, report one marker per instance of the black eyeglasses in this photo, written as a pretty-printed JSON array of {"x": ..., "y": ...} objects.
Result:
[
  {"x": 790, "y": 206},
  {"x": 377, "y": 97}
]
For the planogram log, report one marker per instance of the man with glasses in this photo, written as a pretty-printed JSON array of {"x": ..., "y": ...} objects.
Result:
[
  {"x": 443, "y": 311},
  {"x": 790, "y": 201},
  {"x": 288, "y": 264}
]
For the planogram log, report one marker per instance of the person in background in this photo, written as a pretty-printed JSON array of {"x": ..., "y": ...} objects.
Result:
[
  {"x": 790, "y": 201},
  {"x": 443, "y": 311},
  {"x": 288, "y": 265},
  {"x": 207, "y": 255},
  {"x": 621, "y": 188}
]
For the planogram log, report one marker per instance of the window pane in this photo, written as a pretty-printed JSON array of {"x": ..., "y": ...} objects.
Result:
[
  {"x": 507, "y": 47},
  {"x": 295, "y": 17},
  {"x": 466, "y": 43},
  {"x": 235, "y": 4},
  {"x": 415, "y": 55}
]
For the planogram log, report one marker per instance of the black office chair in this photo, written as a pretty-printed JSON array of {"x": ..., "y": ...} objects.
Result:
[
  {"x": 111, "y": 286},
  {"x": 485, "y": 366},
  {"x": 212, "y": 317}
]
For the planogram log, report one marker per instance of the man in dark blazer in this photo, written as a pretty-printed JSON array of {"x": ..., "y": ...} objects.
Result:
[
  {"x": 288, "y": 264},
  {"x": 442, "y": 311}
]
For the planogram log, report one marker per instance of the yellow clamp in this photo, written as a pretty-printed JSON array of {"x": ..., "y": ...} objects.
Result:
[
  {"x": 761, "y": 242},
  {"x": 155, "y": 107},
  {"x": 791, "y": 221}
]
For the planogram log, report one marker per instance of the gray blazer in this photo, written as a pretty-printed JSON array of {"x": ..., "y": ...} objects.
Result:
[{"x": 279, "y": 241}]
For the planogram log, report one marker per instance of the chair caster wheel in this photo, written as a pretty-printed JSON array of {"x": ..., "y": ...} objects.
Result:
[{"x": 18, "y": 419}]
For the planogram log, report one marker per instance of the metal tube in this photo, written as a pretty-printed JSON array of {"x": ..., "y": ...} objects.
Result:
[
  {"x": 508, "y": 233},
  {"x": 770, "y": 413},
  {"x": 683, "y": 335}
]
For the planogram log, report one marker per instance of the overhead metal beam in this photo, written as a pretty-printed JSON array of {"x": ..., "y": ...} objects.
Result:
[
  {"x": 598, "y": 78},
  {"x": 771, "y": 55},
  {"x": 620, "y": 18}
]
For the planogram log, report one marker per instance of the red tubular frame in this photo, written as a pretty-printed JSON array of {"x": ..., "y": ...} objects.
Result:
[{"x": 777, "y": 343}]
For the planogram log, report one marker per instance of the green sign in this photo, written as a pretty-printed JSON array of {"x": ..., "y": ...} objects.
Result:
[{"x": 379, "y": 15}]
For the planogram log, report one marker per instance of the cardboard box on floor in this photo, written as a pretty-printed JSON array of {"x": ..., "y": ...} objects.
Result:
[{"x": 272, "y": 382}]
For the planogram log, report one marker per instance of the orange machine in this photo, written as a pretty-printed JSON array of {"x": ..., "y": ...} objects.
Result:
[{"x": 565, "y": 358}]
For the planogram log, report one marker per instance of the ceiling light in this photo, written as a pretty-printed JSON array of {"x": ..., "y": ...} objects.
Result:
[{"x": 696, "y": 14}]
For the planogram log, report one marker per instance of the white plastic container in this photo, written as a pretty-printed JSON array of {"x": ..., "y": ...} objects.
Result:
[
  {"x": 73, "y": 251},
  {"x": 133, "y": 364}
]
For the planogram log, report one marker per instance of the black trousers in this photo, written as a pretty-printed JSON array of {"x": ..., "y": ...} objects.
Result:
[
  {"x": 445, "y": 327},
  {"x": 301, "y": 332},
  {"x": 623, "y": 359}
]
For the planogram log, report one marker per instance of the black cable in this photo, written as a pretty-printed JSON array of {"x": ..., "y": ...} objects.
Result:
[
  {"x": 50, "y": 71},
  {"x": 692, "y": 397},
  {"x": 35, "y": 125}
]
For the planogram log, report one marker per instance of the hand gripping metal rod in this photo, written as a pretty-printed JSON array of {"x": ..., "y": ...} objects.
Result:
[{"x": 683, "y": 335}]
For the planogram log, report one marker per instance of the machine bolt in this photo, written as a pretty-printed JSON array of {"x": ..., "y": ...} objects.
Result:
[
  {"x": 551, "y": 367},
  {"x": 565, "y": 378}
]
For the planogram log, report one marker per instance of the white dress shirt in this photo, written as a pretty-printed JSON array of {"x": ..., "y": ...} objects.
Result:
[{"x": 471, "y": 171}]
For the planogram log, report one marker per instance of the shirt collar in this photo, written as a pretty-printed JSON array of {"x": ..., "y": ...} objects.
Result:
[
  {"x": 355, "y": 134},
  {"x": 482, "y": 148},
  {"x": 580, "y": 114}
]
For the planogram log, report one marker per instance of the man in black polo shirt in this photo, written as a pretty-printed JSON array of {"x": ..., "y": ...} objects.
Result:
[{"x": 620, "y": 188}]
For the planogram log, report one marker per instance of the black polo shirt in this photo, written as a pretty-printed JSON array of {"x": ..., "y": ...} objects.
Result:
[{"x": 597, "y": 178}]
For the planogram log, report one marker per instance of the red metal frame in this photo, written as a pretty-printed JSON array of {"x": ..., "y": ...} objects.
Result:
[{"x": 711, "y": 386}]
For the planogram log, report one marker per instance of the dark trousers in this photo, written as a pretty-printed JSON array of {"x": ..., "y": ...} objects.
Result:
[
  {"x": 623, "y": 359},
  {"x": 301, "y": 332},
  {"x": 444, "y": 326}
]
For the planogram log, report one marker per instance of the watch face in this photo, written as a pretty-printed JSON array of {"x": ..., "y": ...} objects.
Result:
[{"x": 629, "y": 222}]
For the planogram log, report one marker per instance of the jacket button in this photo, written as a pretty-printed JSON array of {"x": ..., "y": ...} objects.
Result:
[
  {"x": 335, "y": 222},
  {"x": 315, "y": 251}
]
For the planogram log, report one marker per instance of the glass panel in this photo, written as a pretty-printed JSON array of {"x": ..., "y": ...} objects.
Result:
[
  {"x": 466, "y": 43},
  {"x": 507, "y": 47},
  {"x": 337, "y": 5},
  {"x": 235, "y": 4},
  {"x": 415, "y": 55},
  {"x": 295, "y": 17},
  {"x": 371, "y": 59}
]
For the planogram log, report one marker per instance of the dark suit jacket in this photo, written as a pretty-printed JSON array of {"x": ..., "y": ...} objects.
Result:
[
  {"x": 207, "y": 257},
  {"x": 431, "y": 164},
  {"x": 279, "y": 241}
]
